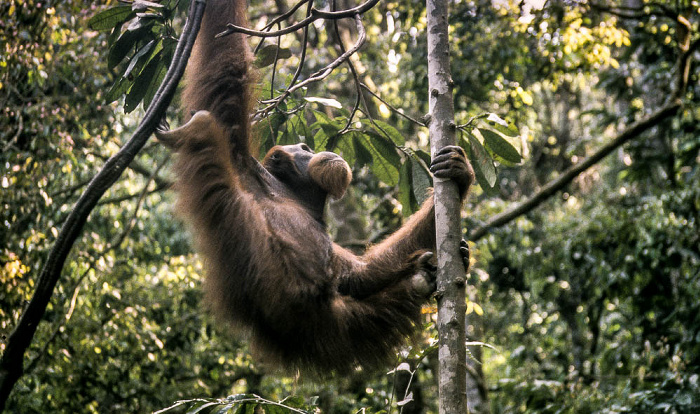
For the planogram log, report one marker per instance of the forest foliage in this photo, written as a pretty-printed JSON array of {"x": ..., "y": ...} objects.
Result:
[{"x": 586, "y": 302}]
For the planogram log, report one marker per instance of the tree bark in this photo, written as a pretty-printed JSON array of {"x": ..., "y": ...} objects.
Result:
[
  {"x": 12, "y": 362},
  {"x": 450, "y": 275}
]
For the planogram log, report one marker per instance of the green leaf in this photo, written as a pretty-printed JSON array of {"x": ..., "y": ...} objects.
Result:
[
  {"x": 389, "y": 131},
  {"x": 363, "y": 156},
  {"x": 324, "y": 101},
  {"x": 198, "y": 408},
  {"x": 161, "y": 71},
  {"x": 299, "y": 128},
  {"x": 124, "y": 44},
  {"x": 385, "y": 148},
  {"x": 346, "y": 147},
  {"x": 156, "y": 80},
  {"x": 481, "y": 161},
  {"x": 143, "y": 21},
  {"x": 500, "y": 146},
  {"x": 268, "y": 129},
  {"x": 327, "y": 134},
  {"x": 142, "y": 84},
  {"x": 119, "y": 88},
  {"x": 141, "y": 5},
  {"x": 385, "y": 159},
  {"x": 141, "y": 55},
  {"x": 225, "y": 409},
  {"x": 422, "y": 180},
  {"x": 294, "y": 401},
  {"x": 502, "y": 126},
  {"x": 405, "y": 188},
  {"x": 267, "y": 54},
  {"x": 111, "y": 17},
  {"x": 423, "y": 156}
]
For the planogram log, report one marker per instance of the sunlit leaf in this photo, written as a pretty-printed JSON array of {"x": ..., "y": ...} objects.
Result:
[
  {"x": 502, "y": 126},
  {"x": 324, "y": 101},
  {"x": 111, "y": 17}
]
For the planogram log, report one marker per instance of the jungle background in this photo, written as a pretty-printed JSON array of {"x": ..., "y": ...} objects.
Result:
[{"x": 587, "y": 302}]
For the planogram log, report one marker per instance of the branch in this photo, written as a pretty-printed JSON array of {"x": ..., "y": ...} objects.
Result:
[
  {"x": 570, "y": 174},
  {"x": 11, "y": 364},
  {"x": 356, "y": 77},
  {"x": 392, "y": 108},
  {"x": 313, "y": 16},
  {"x": 673, "y": 105},
  {"x": 132, "y": 221},
  {"x": 321, "y": 74}
]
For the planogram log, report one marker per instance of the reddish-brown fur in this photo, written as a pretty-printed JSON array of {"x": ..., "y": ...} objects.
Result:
[{"x": 273, "y": 271}]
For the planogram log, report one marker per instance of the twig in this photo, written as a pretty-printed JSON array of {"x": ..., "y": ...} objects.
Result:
[
  {"x": 139, "y": 202},
  {"x": 392, "y": 108},
  {"x": 321, "y": 74},
  {"x": 304, "y": 44},
  {"x": 315, "y": 15},
  {"x": 360, "y": 97}
]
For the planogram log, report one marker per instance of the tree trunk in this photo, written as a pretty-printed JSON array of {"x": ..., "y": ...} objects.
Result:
[{"x": 450, "y": 275}]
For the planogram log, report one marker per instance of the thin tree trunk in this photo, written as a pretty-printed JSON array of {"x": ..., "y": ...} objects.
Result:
[{"x": 450, "y": 276}]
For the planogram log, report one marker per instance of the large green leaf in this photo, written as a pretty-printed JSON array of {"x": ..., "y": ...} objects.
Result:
[
  {"x": 502, "y": 126},
  {"x": 500, "y": 146},
  {"x": 481, "y": 161},
  {"x": 168, "y": 47},
  {"x": 124, "y": 44},
  {"x": 385, "y": 159},
  {"x": 421, "y": 178},
  {"x": 142, "y": 84},
  {"x": 362, "y": 154},
  {"x": 326, "y": 136},
  {"x": 268, "y": 130},
  {"x": 120, "y": 87},
  {"x": 387, "y": 130},
  {"x": 141, "y": 56},
  {"x": 110, "y": 18}
]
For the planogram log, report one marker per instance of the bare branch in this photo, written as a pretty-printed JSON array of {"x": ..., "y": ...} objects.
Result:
[
  {"x": 315, "y": 15},
  {"x": 358, "y": 89},
  {"x": 393, "y": 108},
  {"x": 304, "y": 46},
  {"x": 321, "y": 74},
  {"x": 570, "y": 174}
]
